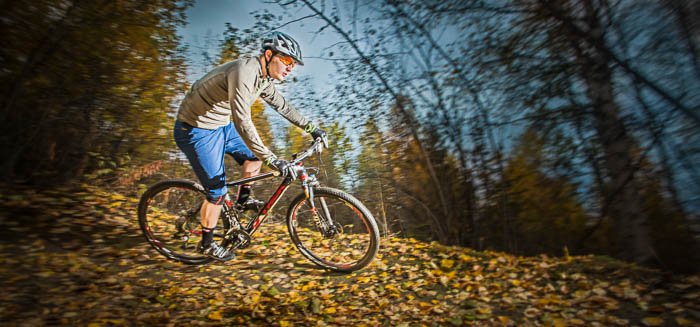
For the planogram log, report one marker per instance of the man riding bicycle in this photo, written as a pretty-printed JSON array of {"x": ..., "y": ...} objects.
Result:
[{"x": 204, "y": 129}]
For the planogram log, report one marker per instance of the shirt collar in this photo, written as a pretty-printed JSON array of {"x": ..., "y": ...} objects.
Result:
[{"x": 260, "y": 71}]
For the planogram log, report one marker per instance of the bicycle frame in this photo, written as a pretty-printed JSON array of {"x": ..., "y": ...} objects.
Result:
[
  {"x": 262, "y": 214},
  {"x": 254, "y": 224}
]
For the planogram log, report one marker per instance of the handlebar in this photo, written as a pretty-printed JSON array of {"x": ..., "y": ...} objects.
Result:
[{"x": 317, "y": 146}]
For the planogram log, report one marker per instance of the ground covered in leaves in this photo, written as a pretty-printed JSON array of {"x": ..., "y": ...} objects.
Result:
[{"x": 75, "y": 256}]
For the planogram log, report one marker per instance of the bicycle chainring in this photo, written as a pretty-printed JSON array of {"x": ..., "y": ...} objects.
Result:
[{"x": 239, "y": 239}]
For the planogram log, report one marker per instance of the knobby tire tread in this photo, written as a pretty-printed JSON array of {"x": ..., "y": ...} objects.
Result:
[{"x": 374, "y": 238}]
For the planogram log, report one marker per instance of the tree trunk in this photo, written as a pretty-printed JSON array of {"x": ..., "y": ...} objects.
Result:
[
  {"x": 382, "y": 208},
  {"x": 622, "y": 188},
  {"x": 687, "y": 12}
]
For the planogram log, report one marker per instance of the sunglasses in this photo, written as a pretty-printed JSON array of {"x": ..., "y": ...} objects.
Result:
[{"x": 287, "y": 60}]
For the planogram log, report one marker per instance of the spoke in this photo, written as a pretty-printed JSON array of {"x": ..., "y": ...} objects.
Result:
[
  {"x": 324, "y": 206},
  {"x": 338, "y": 248}
]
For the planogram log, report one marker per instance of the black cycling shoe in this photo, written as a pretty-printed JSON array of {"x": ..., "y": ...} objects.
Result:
[
  {"x": 250, "y": 204},
  {"x": 215, "y": 251}
]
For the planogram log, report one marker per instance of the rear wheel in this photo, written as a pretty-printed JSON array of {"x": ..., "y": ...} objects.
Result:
[
  {"x": 340, "y": 234},
  {"x": 169, "y": 215}
]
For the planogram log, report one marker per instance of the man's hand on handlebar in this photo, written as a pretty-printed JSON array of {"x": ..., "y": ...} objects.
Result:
[
  {"x": 285, "y": 167},
  {"x": 316, "y": 133}
]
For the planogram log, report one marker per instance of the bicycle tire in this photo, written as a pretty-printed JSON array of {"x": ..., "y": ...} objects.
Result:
[
  {"x": 359, "y": 244},
  {"x": 157, "y": 212}
]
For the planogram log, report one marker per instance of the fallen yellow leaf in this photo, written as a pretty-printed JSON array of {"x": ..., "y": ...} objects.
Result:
[
  {"x": 683, "y": 321},
  {"x": 44, "y": 274},
  {"x": 309, "y": 286},
  {"x": 465, "y": 257},
  {"x": 215, "y": 315},
  {"x": 362, "y": 279},
  {"x": 447, "y": 263},
  {"x": 484, "y": 311},
  {"x": 653, "y": 321}
]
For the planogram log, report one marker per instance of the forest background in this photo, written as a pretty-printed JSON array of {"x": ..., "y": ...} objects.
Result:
[{"x": 529, "y": 126}]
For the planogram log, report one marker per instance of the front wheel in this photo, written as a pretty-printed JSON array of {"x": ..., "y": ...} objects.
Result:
[{"x": 337, "y": 233}]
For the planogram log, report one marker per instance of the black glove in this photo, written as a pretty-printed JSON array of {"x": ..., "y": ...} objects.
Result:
[
  {"x": 283, "y": 166},
  {"x": 318, "y": 133},
  {"x": 314, "y": 131}
]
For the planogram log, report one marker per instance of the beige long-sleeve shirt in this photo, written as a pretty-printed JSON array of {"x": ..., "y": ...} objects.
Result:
[{"x": 228, "y": 91}]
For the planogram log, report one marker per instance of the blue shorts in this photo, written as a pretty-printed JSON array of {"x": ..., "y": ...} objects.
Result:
[{"x": 205, "y": 150}]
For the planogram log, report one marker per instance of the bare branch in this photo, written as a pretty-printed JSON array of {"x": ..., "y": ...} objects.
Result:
[
  {"x": 294, "y": 21},
  {"x": 408, "y": 115},
  {"x": 281, "y": 3},
  {"x": 358, "y": 58},
  {"x": 637, "y": 75}
]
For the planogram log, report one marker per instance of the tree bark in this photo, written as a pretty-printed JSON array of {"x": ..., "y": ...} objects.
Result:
[
  {"x": 593, "y": 38},
  {"x": 622, "y": 188}
]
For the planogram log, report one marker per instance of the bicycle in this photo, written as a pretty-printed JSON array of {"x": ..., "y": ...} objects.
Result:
[{"x": 330, "y": 227}]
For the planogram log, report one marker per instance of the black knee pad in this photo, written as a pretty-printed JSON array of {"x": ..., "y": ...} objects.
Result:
[{"x": 217, "y": 201}]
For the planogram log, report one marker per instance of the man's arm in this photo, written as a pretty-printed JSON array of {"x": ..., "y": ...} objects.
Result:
[
  {"x": 284, "y": 108},
  {"x": 240, "y": 94}
]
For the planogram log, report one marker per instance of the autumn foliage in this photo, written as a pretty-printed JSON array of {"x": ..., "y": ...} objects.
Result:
[
  {"x": 83, "y": 261},
  {"x": 548, "y": 130}
]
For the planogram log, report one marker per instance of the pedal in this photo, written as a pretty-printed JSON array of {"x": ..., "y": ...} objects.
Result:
[{"x": 250, "y": 205}]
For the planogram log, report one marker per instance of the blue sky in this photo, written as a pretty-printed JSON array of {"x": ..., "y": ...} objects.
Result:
[{"x": 207, "y": 18}]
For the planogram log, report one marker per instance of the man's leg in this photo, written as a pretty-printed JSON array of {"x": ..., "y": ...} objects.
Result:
[
  {"x": 250, "y": 168},
  {"x": 204, "y": 150},
  {"x": 209, "y": 216}
]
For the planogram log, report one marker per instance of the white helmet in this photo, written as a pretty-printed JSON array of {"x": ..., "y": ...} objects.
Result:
[{"x": 282, "y": 43}]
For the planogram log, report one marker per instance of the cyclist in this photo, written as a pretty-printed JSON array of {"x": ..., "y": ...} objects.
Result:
[{"x": 204, "y": 129}]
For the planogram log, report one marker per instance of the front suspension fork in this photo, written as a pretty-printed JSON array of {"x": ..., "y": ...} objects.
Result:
[{"x": 324, "y": 225}]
